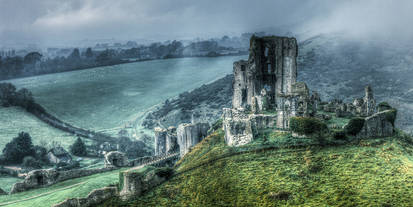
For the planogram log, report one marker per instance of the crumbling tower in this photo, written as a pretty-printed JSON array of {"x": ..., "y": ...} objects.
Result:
[
  {"x": 270, "y": 72},
  {"x": 266, "y": 82}
]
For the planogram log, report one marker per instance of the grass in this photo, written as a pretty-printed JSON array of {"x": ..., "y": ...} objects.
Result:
[
  {"x": 374, "y": 172},
  {"x": 90, "y": 162},
  {"x": 7, "y": 182},
  {"x": 106, "y": 98},
  {"x": 81, "y": 190},
  {"x": 14, "y": 120}
]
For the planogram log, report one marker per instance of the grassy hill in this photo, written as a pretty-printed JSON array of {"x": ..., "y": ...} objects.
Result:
[
  {"x": 374, "y": 172},
  {"x": 15, "y": 119},
  {"x": 106, "y": 98}
]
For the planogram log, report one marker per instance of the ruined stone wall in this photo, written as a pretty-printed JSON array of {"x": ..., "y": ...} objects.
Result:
[
  {"x": 239, "y": 99},
  {"x": 160, "y": 141},
  {"x": 191, "y": 134},
  {"x": 165, "y": 140},
  {"x": 377, "y": 125},
  {"x": 240, "y": 128},
  {"x": 294, "y": 103},
  {"x": 171, "y": 140},
  {"x": 136, "y": 183}
]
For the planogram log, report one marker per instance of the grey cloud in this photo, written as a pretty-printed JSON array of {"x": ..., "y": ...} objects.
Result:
[{"x": 49, "y": 21}]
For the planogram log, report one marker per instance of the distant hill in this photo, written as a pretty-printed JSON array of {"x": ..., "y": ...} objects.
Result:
[{"x": 339, "y": 67}]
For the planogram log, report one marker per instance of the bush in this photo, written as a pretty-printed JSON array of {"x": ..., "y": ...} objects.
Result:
[
  {"x": 384, "y": 106},
  {"x": 165, "y": 172},
  {"x": 20, "y": 147},
  {"x": 354, "y": 126},
  {"x": 40, "y": 153},
  {"x": 134, "y": 149},
  {"x": 307, "y": 125},
  {"x": 391, "y": 116},
  {"x": 31, "y": 163},
  {"x": 341, "y": 135},
  {"x": 78, "y": 148}
]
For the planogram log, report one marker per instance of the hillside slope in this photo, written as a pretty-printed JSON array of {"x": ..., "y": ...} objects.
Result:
[
  {"x": 375, "y": 172},
  {"x": 50, "y": 195},
  {"x": 14, "y": 120}
]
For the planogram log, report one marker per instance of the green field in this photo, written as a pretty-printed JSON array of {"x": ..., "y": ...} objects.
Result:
[
  {"x": 7, "y": 182},
  {"x": 106, "y": 98},
  {"x": 79, "y": 187},
  {"x": 374, "y": 172},
  {"x": 14, "y": 120}
]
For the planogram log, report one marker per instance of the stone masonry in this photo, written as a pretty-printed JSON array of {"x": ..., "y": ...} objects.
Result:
[
  {"x": 165, "y": 140},
  {"x": 191, "y": 134},
  {"x": 270, "y": 72},
  {"x": 266, "y": 82}
]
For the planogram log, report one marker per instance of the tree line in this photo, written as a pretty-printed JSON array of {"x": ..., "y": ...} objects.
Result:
[{"x": 35, "y": 64}]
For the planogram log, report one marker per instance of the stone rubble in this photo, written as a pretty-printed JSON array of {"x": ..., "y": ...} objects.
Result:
[{"x": 115, "y": 159}]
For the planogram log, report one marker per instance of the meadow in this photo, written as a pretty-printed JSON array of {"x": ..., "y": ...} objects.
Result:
[
  {"x": 106, "y": 98},
  {"x": 47, "y": 196},
  {"x": 14, "y": 120}
]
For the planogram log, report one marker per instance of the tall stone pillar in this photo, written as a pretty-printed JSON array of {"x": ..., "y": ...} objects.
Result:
[
  {"x": 189, "y": 135},
  {"x": 160, "y": 141}
]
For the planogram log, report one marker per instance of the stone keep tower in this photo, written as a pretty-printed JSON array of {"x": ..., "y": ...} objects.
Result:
[
  {"x": 269, "y": 73},
  {"x": 266, "y": 82}
]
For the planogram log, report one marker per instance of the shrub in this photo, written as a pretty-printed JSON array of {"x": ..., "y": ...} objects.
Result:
[
  {"x": 391, "y": 116},
  {"x": 78, "y": 148},
  {"x": 339, "y": 135},
  {"x": 40, "y": 153},
  {"x": 384, "y": 106},
  {"x": 31, "y": 163},
  {"x": 20, "y": 147},
  {"x": 165, "y": 172},
  {"x": 307, "y": 125},
  {"x": 354, "y": 126}
]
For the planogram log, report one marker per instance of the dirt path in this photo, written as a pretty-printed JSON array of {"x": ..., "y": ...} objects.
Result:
[{"x": 42, "y": 194}]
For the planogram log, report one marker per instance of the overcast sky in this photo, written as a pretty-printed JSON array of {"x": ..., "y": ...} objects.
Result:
[{"x": 60, "y": 21}]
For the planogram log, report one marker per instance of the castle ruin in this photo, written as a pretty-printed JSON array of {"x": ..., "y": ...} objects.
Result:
[
  {"x": 266, "y": 82},
  {"x": 179, "y": 139}
]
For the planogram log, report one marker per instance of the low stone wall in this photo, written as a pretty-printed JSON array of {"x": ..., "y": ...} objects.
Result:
[
  {"x": 94, "y": 198},
  {"x": 135, "y": 183},
  {"x": 41, "y": 178}
]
